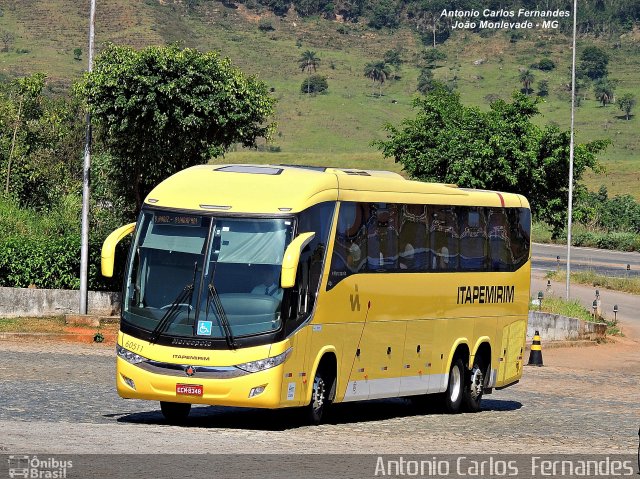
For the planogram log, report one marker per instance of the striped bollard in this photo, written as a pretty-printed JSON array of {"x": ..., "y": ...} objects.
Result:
[{"x": 535, "y": 356}]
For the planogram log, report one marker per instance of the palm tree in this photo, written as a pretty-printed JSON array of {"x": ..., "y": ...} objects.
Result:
[
  {"x": 526, "y": 78},
  {"x": 378, "y": 72},
  {"x": 309, "y": 62}
]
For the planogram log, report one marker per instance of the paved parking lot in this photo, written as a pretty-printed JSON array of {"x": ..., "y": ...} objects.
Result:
[{"x": 60, "y": 398}]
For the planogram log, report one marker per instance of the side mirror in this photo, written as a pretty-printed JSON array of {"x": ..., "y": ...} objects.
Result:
[
  {"x": 109, "y": 248},
  {"x": 292, "y": 258}
]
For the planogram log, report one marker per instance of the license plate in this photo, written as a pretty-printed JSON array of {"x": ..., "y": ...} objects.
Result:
[{"x": 189, "y": 389}]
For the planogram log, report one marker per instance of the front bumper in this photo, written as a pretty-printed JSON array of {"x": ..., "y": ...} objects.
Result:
[{"x": 134, "y": 382}]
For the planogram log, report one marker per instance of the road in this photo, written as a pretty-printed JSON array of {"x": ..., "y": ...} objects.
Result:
[
  {"x": 612, "y": 263},
  {"x": 61, "y": 399}
]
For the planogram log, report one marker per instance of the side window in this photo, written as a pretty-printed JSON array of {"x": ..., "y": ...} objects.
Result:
[
  {"x": 443, "y": 232},
  {"x": 350, "y": 244},
  {"x": 317, "y": 219},
  {"x": 520, "y": 232},
  {"x": 473, "y": 238},
  {"x": 413, "y": 244},
  {"x": 500, "y": 251},
  {"x": 382, "y": 237}
]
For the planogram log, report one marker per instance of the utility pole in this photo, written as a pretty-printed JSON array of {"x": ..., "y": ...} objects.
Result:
[
  {"x": 84, "y": 248},
  {"x": 571, "y": 148}
]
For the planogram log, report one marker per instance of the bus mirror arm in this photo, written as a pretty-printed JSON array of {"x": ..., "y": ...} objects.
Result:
[
  {"x": 108, "y": 254},
  {"x": 292, "y": 258}
]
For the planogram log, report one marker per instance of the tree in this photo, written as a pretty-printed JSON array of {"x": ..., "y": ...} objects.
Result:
[
  {"x": 77, "y": 53},
  {"x": 626, "y": 103},
  {"x": 28, "y": 91},
  {"x": 501, "y": 150},
  {"x": 426, "y": 83},
  {"x": 394, "y": 58},
  {"x": 432, "y": 56},
  {"x": 384, "y": 13},
  {"x": 7, "y": 39},
  {"x": 543, "y": 88},
  {"x": 527, "y": 78},
  {"x": 309, "y": 62},
  {"x": 161, "y": 109},
  {"x": 604, "y": 91},
  {"x": 40, "y": 143},
  {"x": 377, "y": 72},
  {"x": 593, "y": 63}
]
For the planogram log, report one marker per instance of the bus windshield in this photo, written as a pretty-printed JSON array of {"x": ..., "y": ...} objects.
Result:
[{"x": 191, "y": 274}]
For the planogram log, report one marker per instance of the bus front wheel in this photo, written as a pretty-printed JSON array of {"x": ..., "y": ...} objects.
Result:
[
  {"x": 452, "y": 397},
  {"x": 175, "y": 412},
  {"x": 319, "y": 398}
]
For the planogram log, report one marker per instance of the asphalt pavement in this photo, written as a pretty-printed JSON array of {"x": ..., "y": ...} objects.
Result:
[{"x": 608, "y": 262}]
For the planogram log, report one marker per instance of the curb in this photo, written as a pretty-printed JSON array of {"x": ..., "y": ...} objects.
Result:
[
  {"x": 90, "y": 320},
  {"x": 564, "y": 344},
  {"x": 73, "y": 337}
]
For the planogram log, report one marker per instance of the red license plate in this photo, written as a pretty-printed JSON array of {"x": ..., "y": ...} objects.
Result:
[{"x": 189, "y": 389}]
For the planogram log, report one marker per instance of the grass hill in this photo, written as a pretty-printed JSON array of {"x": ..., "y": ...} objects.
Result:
[{"x": 337, "y": 127}]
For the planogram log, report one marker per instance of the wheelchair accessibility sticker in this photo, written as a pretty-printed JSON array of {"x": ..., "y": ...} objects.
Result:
[{"x": 204, "y": 328}]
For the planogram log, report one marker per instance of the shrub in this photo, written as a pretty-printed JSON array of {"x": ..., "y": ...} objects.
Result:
[
  {"x": 546, "y": 64},
  {"x": 43, "y": 249},
  {"x": 265, "y": 25}
]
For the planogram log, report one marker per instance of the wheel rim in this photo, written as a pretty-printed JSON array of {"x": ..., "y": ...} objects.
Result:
[
  {"x": 455, "y": 383},
  {"x": 317, "y": 401},
  {"x": 477, "y": 380}
]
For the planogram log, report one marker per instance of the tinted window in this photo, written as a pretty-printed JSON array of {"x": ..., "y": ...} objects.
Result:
[
  {"x": 500, "y": 253},
  {"x": 473, "y": 238},
  {"x": 413, "y": 250},
  {"x": 350, "y": 244},
  {"x": 443, "y": 229},
  {"x": 384, "y": 237},
  {"x": 520, "y": 231},
  {"x": 317, "y": 219}
]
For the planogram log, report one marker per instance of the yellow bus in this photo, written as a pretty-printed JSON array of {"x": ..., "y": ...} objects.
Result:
[{"x": 287, "y": 286}]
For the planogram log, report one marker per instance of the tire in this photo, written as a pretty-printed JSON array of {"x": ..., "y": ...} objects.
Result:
[
  {"x": 175, "y": 412},
  {"x": 474, "y": 386},
  {"x": 319, "y": 398},
  {"x": 452, "y": 397}
]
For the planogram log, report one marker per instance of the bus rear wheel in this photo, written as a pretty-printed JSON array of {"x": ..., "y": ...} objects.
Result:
[
  {"x": 452, "y": 397},
  {"x": 474, "y": 388},
  {"x": 175, "y": 412}
]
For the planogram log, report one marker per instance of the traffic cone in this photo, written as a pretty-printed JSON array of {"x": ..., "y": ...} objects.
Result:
[{"x": 535, "y": 356}]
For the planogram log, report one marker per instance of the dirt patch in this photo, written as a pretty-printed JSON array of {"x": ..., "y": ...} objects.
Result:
[{"x": 617, "y": 354}]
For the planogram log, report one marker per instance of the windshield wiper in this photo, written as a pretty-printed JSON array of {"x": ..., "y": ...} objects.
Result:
[
  {"x": 171, "y": 314},
  {"x": 222, "y": 316}
]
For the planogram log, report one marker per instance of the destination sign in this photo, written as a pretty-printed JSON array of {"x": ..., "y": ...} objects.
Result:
[{"x": 176, "y": 220}]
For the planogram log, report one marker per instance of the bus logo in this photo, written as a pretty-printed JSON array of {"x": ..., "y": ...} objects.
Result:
[
  {"x": 189, "y": 370},
  {"x": 355, "y": 300},
  {"x": 18, "y": 466}
]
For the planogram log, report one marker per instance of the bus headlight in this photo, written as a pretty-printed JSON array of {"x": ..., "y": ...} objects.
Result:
[
  {"x": 129, "y": 356},
  {"x": 262, "y": 364}
]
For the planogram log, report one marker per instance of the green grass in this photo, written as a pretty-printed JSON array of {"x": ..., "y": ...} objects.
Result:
[
  {"x": 627, "y": 285},
  {"x": 573, "y": 309},
  {"x": 336, "y": 127},
  {"x": 32, "y": 325},
  {"x": 588, "y": 237}
]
